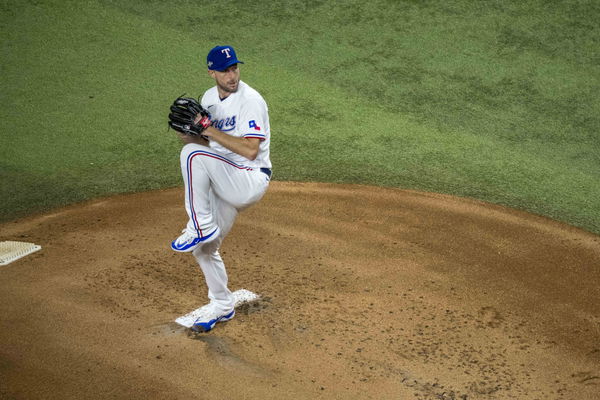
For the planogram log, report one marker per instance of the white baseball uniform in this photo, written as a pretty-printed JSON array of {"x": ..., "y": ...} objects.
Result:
[{"x": 220, "y": 183}]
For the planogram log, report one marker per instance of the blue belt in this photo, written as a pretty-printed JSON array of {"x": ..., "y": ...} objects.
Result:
[{"x": 266, "y": 171}]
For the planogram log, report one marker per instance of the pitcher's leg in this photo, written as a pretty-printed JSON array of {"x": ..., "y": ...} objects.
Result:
[
  {"x": 208, "y": 257},
  {"x": 239, "y": 185},
  {"x": 224, "y": 213},
  {"x": 210, "y": 260},
  {"x": 215, "y": 275},
  {"x": 242, "y": 188},
  {"x": 201, "y": 226}
]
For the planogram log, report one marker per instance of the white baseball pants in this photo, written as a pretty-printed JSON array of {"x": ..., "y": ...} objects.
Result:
[{"x": 216, "y": 189}]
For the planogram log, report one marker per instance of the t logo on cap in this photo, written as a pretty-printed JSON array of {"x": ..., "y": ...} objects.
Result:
[{"x": 221, "y": 57}]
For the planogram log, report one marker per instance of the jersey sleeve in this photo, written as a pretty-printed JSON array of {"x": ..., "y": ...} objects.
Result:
[{"x": 254, "y": 119}]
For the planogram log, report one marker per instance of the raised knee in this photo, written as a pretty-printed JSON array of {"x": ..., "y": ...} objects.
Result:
[
  {"x": 187, "y": 149},
  {"x": 191, "y": 147}
]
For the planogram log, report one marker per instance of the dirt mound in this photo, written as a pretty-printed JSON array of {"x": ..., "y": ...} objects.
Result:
[{"x": 367, "y": 293}]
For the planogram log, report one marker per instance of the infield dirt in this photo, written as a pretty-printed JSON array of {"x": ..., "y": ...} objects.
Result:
[{"x": 367, "y": 293}]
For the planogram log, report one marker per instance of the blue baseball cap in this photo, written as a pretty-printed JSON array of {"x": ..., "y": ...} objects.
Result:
[{"x": 221, "y": 57}]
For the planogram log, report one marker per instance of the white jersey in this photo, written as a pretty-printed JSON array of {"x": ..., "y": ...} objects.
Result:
[{"x": 241, "y": 114}]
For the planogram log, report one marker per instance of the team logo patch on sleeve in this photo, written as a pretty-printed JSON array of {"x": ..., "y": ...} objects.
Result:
[{"x": 252, "y": 124}]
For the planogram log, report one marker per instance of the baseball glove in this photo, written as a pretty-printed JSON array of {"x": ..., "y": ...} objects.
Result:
[{"x": 184, "y": 112}]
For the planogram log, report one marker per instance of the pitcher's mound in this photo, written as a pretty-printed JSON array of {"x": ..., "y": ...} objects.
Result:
[{"x": 365, "y": 293}]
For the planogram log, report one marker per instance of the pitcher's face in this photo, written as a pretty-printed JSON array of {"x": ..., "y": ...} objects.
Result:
[{"x": 227, "y": 80}]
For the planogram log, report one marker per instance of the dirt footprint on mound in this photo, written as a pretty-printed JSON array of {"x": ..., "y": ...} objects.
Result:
[
  {"x": 220, "y": 349},
  {"x": 490, "y": 317}
]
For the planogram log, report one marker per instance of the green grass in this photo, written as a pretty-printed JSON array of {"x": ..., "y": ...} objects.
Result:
[{"x": 491, "y": 100}]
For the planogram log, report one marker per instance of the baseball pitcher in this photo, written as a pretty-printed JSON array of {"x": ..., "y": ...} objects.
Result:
[{"x": 225, "y": 166}]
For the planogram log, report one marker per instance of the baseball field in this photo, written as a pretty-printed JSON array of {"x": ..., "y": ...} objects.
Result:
[{"x": 431, "y": 231}]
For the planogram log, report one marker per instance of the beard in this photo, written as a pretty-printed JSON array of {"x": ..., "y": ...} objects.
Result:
[{"x": 229, "y": 87}]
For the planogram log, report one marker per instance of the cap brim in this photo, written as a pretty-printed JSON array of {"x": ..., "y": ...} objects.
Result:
[{"x": 227, "y": 65}]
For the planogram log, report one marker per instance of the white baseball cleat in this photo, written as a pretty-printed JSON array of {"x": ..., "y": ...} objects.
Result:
[
  {"x": 189, "y": 242},
  {"x": 205, "y": 324}
]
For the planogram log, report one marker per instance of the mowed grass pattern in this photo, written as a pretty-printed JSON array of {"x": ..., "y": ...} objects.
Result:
[{"x": 492, "y": 100}]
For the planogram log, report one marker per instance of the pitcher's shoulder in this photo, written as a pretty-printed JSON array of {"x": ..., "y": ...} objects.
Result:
[{"x": 249, "y": 92}]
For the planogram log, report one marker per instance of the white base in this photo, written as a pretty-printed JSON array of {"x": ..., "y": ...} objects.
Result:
[
  {"x": 12, "y": 251},
  {"x": 241, "y": 296}
]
